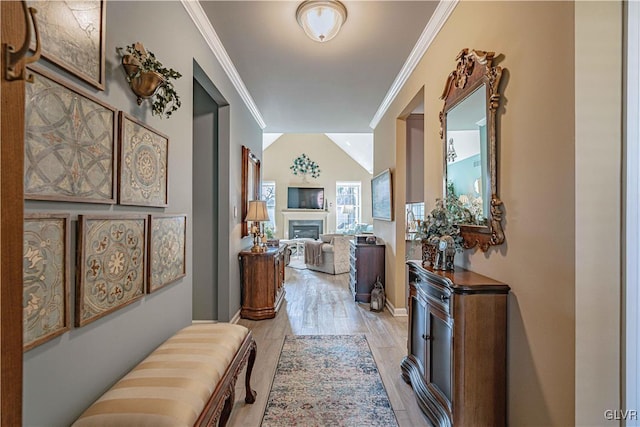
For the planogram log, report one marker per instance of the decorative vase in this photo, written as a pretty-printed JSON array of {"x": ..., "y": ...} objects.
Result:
[
  {"x": 429, "y": 251},
  {"x": 146, "y": 84}
]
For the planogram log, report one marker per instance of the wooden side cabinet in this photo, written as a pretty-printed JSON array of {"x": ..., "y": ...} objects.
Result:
[
  {"x": 366, "y": 264},
  {"x": 457, "y": 346},
  {"x": 262, "y": 281}
]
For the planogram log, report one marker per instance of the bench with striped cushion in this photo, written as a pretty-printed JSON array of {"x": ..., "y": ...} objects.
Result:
[{"x": 188, "y": 381}]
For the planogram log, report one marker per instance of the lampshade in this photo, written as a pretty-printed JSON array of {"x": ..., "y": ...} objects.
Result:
[
  {"x": 321, "y": 19},
  {"x": 257, "y": 211}
]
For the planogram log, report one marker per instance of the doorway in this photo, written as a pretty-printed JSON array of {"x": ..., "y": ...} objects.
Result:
[
  {"x": 207, "y": 104},
  {"x": 410, "y": 169}
]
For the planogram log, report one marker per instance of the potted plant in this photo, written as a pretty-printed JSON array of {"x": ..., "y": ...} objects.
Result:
[
  {"x": 437, "y": 232},
  {"x": 148, "y": 78}
]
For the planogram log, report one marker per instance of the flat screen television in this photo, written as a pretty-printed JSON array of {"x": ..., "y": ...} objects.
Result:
[{"x": 305, "y": 198}]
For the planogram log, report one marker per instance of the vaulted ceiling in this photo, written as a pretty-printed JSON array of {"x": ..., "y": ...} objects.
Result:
[{"x": 302, "y": 86}]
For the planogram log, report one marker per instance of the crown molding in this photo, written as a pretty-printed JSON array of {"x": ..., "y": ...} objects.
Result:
[
  {"x": 439, "y": 17},
  {"x": 199, "y": 18}
]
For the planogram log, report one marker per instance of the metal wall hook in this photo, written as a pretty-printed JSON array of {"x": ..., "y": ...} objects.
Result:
[{"x": 13, "y": 56}]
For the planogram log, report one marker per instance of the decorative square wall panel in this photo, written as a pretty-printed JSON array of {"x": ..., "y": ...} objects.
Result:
[
  {"x": 45, "y": 284},
  {"x": 72, "y": 35},
  {"x": 69, "y": 143},
  {"x": 111, "y": 264},
  {"x": 167, "y": 256},
  {"x": 144, "y": 154}
]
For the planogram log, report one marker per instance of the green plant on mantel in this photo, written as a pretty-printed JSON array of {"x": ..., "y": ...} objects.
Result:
[
  {"x": 303, "y": 165},
  {"x": 148, "y": 78}
]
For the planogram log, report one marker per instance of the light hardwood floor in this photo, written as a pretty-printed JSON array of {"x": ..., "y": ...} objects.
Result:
[{"x": 321, "y": 304}]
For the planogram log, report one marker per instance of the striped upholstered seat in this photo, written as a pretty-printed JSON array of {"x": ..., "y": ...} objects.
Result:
[{"x": 173, "y": 384}]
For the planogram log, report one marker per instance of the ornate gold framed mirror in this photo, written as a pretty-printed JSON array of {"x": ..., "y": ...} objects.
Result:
[
  {"x": 250, "y": 184},
  {"x": 468, "y": 130}
]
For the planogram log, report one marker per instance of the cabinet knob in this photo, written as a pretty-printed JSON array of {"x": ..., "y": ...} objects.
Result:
[
  {"x": 443, "y": 298},
  {"x": 426, "y": 337}
]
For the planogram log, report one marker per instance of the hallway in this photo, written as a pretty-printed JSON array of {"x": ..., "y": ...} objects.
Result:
[{"x": 318, "y": 304}]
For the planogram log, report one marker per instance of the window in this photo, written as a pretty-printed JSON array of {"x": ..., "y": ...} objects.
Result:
[
  {"x": 269, "y": 195},
  {"x": 348, "y": 207},
  {"x": 414, "y": 213}
]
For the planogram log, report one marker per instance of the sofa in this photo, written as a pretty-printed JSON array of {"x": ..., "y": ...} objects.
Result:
[{"x": 335, "y": 254}]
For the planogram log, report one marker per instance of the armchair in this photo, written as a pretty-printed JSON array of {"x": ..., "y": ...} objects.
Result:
[{"x": 335, "y": 254}]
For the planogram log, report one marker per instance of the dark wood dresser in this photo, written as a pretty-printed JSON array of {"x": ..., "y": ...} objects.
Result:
[
  {"x": 262, "y": 281},
  {"x": 366, "y": 264},
  {"x": 457, "y": 346}
]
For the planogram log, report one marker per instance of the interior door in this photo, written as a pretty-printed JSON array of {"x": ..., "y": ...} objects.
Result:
[{"x": 15, "y": 30}]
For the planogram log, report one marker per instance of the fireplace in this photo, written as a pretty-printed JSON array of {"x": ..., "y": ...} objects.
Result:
[
  {"x": 305, "y": 228},
  {"x": 305, "y": 217}
]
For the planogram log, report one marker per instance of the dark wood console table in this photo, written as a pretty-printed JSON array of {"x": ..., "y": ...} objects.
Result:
[
  {"x": 262, "y": 281},
  {"x": 457, "y": 346}
]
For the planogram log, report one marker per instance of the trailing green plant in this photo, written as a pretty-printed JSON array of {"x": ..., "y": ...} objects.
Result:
[
  {"x": 165, "y": 100},
  {"x": 303, "y": 165}
]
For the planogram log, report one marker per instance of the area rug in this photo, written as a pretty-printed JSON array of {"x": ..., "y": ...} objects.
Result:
[{"x": 327, "y": 380}]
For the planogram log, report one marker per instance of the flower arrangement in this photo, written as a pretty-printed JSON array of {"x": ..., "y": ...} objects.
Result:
[
  {"x": 139, "y": 63},
  {"x": 439, "y": 223},
  {"x": 303, "y": 165}
]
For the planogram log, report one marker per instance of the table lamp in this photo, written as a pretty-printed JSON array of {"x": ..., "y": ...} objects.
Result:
[{"x": 257, "y": 212}]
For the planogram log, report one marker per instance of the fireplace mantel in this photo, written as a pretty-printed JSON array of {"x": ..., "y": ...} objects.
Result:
[{"x": 302, "y": 214}]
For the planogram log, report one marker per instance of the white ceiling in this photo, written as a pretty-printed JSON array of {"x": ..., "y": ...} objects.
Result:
[{"x": 301, "y": 86}]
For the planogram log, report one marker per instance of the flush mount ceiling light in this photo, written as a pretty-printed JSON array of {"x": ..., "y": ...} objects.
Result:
[{"x": 321, "y": 19}]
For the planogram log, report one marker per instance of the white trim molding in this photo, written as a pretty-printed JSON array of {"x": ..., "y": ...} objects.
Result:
[
  {"x": 200, "y": 19},
  {"x": 439, "y": 17},
  {"x": 236, "y": 317},
  {"x": 631, "y": 231},
  {"x": 396, "y": 312}
]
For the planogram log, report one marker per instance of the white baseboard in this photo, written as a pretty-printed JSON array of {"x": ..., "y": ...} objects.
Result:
[
  {"x": 235, "y": 317},
  {"x": 396, "y": 312}
]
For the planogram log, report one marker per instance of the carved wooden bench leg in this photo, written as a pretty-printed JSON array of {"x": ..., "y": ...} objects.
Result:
[
  {"x": 226, "y": 409},
  {"x": 251, "y": 394}
]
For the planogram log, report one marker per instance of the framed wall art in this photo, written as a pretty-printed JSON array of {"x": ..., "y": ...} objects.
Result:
[
  {"x": 144, "y": 156},
  {"x": 382, "y": 196},
  {"x": 167, "y": 250},
  {"x": 111, "y": 264},
  {"x": 45, "y": 272},
  {"x": 70, "y": 143},
  {"x": 72, "y": 35}
]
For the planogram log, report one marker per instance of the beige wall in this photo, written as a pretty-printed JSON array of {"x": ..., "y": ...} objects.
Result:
[
  {"x": 598, "y": 210},
  {"x": 537, "y": 157},
  {"x": 335, "y": 165}
]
